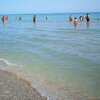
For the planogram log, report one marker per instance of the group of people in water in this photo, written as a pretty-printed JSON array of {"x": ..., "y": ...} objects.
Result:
[
  {"x": 5, "y": 18},
  {"x": 75, "y": 20},
  {"x": 81, "y": 18}
]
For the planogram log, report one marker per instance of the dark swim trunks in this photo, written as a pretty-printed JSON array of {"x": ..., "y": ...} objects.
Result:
[{"x": 87, "y": 19}]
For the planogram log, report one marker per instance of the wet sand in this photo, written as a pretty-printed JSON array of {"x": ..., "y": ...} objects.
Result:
[{"x": 14, "y": 88}]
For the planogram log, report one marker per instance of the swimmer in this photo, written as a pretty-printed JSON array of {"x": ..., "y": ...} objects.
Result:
[
  {"x": 81, "y": 18},
  {"x": 75, "y": 21},
  {"x": 46, "y": 18},
  {"x": 34, "y": 18},
  {"x": 70, "y": 18},
  {"x": 4, "y": 19},
  {"x": 87, "y": 18},
  {"x": 20, "y": 18}
]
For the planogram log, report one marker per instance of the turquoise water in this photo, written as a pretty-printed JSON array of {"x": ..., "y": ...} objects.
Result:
[{"x": 61, "y": 61}]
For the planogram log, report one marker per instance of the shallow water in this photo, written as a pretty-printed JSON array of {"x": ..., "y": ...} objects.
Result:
[{"x": 60, "y": 60}]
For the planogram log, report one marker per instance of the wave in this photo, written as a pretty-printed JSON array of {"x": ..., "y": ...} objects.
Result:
[
  {"x": 20, "y": 72},
  {"x": 47, "y": 88},
  {"x": 4, "y": 62},
  {"x": 6, "y": 65}
]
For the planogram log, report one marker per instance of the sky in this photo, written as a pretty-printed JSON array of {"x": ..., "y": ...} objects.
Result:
[{"x": 48, "y": 6}]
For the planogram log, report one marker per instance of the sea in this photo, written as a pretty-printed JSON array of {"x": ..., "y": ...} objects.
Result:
[{"x": 60, "y": 60}]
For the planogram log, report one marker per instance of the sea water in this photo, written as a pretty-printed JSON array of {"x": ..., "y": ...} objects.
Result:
[{"x": 61, "y": 61}]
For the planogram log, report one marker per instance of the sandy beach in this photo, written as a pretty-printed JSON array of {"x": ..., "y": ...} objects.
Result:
[{"x": 15, "y": 88}]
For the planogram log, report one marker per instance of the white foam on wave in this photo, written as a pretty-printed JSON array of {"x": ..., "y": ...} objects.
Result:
[
  {"x": 36, "y": 81},
  {"x": 6, "y": 65},
  {"x": 5, "y": 62},
  {"x": 50, "y": 89}
]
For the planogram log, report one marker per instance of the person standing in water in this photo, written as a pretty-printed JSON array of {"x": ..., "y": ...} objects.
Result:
[
  {"x": 75, "y": 21},
  {"x": 34, "y": 18},
  {"x": 70, "y": 18},
  {"x": 4, "y": 19},
  {"x": 20, "y": 18},
  {"x": 46, "y": 18},
  {"x": 87, "y": 18},
  {"x": 81, "y": 18}
]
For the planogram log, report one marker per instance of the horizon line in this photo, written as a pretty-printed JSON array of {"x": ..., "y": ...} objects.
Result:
[{"x": 50, "y": 13}]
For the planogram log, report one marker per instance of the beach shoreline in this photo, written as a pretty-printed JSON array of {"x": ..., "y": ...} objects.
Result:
[
  {"x": 13, "y": 87},
  {"x": 59, "y": 60}
]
